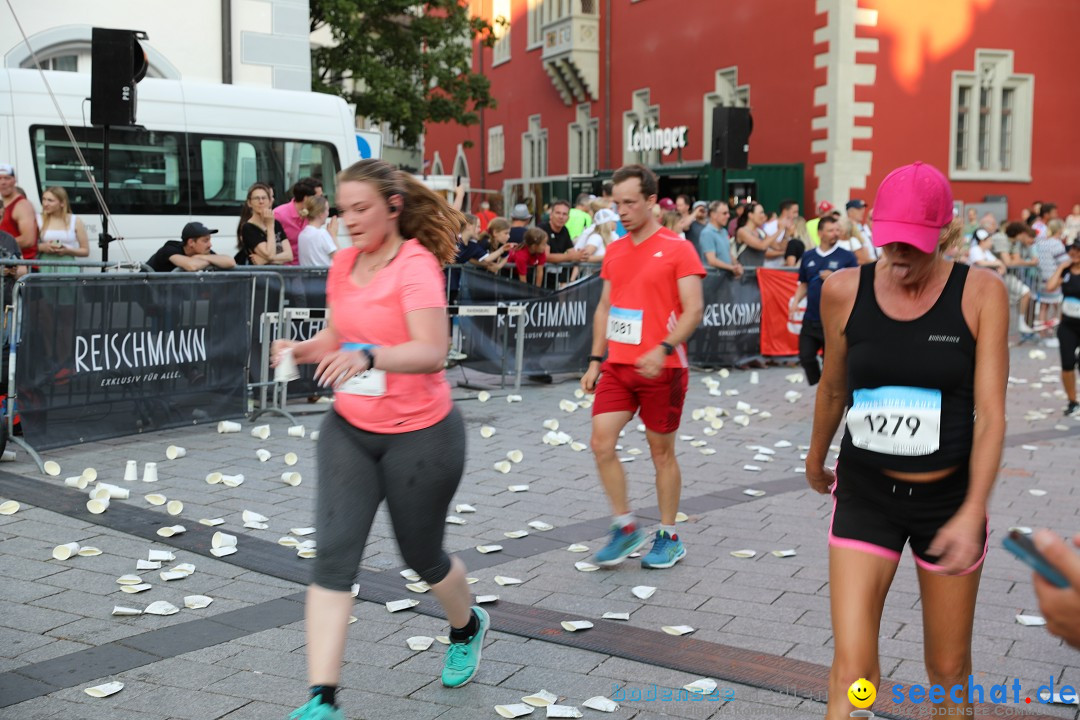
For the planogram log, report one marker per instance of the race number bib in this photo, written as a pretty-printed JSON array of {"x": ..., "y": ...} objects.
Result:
[
  {"x": 896, "y": 420},
  {"x": 371, "y": 383},
  {"x": 1070, "y": 307},
  {"x": 624, "y": 325}
]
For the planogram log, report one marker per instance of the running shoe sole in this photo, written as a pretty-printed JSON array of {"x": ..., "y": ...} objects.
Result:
[
  {"x": 670, "y": 563},
  {"x": 633, "y": 549}
]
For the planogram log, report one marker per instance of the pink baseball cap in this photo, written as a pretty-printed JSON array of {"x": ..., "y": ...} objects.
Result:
[
  {"x": 913, "y": 204},
  {"x": 666, "y": 204}
]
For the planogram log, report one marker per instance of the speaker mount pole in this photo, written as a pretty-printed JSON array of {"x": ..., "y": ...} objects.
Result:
[{"x": 104, "y": 238}]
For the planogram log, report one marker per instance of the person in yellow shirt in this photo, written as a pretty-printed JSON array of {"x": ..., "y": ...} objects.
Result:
[{"x": 823, "y": 208}]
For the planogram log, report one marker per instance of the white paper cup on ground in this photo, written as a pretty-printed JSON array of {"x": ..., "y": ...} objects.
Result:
[
  {"x": 99, "y": 493},
  {"x": 261, "y": 431},
  {"x": 52, "y": 468},
  {"x": 262, "y": 454},
  {"x": 89, "y": 473},
  {"x": 314, "y": 435},
  {"x": 232, "y": 480},
  {"x": 131, "y": 471},
  {"x": 156, "y": 499},
  {"x": 98, "y": 505},
  {"x": 223, "y": 540},
  {"x": 175, "y": 451},
  {"x": 228, "y": 426},
  {"x": 150, "y": 472},
  {"x": 551, "y": 424},
  {"x": 286, "y": 370},
  {"x": 77, "y": 482},
  {"x": 291, "y": 459},
  {"x": 174, "y": 507},
  {"x": 291, "y": 478},
  {"x": 115, "y": 491},
  {"x": 65, "y": 551},
  {"x": 100, "y": 691},
  {"x": 297, "y": 431},
  {"x": 214, "y": 478},
  {"x": 8, "y": 456},
  {"x": 9, "y": 508}
]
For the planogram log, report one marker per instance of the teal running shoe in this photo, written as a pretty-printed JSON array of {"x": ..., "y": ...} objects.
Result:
[
  {"x": 624, "y": 541},
  {"x": 463, "y": 659},
  {"x": 315, "y": 709},
  {"x": 666, "y": 551}
]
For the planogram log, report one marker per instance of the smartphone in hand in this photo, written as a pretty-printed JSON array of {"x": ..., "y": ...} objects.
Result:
[{"x": 1022, "y": 547}]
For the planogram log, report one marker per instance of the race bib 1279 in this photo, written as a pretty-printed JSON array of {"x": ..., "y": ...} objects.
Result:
[{"x": 895, "y": 420}]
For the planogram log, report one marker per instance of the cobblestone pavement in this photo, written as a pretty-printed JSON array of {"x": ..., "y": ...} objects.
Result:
[{"x": 242, "y": 656}]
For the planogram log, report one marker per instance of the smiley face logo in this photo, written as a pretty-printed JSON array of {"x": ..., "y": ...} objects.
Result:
[{"x": 862, "y": 693}]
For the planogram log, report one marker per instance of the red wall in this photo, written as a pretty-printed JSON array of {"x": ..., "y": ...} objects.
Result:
[
  {"x": 911, "y": 120},
  {"x": 675, "y": 48}
]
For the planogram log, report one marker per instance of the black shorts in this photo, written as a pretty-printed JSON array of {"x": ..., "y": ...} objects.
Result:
[{"x": 875, "y": 513}]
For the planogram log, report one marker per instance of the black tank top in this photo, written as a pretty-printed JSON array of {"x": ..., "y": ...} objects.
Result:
[
  {"x": 932, "y": 352},
  {"x": 1070, "y": 288}
]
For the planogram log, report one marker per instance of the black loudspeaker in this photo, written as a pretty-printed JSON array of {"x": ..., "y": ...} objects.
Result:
[
  {"x": 118, "y": 63},
  {"x": 731, "y": 128}
]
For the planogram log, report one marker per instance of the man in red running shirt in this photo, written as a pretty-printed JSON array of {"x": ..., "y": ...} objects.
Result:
[{"x": 650, "y": 305}]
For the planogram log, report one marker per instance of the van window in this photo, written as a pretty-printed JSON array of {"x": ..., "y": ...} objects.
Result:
[
  {"x": 228, "y": 165},
  {"x": 145, "y": 167}
]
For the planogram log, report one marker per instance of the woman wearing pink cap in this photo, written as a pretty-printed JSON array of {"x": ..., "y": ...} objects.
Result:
[{"x": 919, "y": 357}]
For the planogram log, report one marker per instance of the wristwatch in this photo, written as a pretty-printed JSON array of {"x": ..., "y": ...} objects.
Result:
[
  {"x": 595, "y": 358},
  {"x": 370, "y": 358},
  {"x": 668, "y": 348}
]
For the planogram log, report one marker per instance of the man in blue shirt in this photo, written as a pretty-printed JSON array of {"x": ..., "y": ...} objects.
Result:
[
  {"x": 714, "y": 243},
  {"x": 817, "y": 264}
]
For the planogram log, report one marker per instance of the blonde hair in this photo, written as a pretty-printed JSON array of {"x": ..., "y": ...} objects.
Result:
[
  {"x": 424, "y": 215},
  {"x": 671, "y": 220},
  {"x": 951, "y": 236},
  {"x": 598, "y": 204},
  {"x": 1054, "y": 227},
  {"x": 314, "y": 206},
  {"x": 60, "y": 194}
]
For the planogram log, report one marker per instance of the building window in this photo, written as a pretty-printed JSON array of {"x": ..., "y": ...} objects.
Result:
[
  {"x": 64, "y": 62},
  {"x": 536, "y": 25},
  {"x": 500, "y": 23},
  {"x": 534, "y": 145},
  {"x": 584, "y": 138},
  {"x": 991, "y": 120},
  {"x": 496, "y": 149},
  {"x": 643, "y": 116}
]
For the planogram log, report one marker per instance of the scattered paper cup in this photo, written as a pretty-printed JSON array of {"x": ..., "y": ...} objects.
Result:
[
  {"x": 643, "y": 592},
  {"x": 291, "y": 478},
  {"x": 9, "y": 508},
  {"x": 486, "y": 431},
  {"x": 513, "y": 711},
  {"x": 576, "y": 625},
  {"x": 115, "y": 491},
  {"x": 101, "y": 691},
  {"x": 89, "y": 552},
  {"x": 65, "y": 551},
  {"x": 8, "y": 456},
  {"x": 551, "y": 424},
  {"x": 228, "y": 426},
  {"x": 214, "y": 478},
  {"x": 297, "y": 431},
  {"x": 131, "y": 471},
  {"x": 513, "y": 398},
  {"x": 197, "y": 602},
  {"x": 291, "y": 459},
  {"x": 222, "y": 540},
  {"x": 262, "y": 454},
  {"x": 314, "y": 435},
  {"x": 99, "y": 492},
  {"x": 601, "y": 703},
  {"x": 97, "y": 505},
  {"x": 156, "y": 499},
  {"x": 122, "y": 611},
  {"x": 286, "y": 369},
  {"x": 222, "y": 552},
  {"x": 171, "y": 530},
  {"x": 89, "y": 473},
  {"x": 174, "y": 507},
  {"x": 503, "y": 466},
  {"x": 515, "y": 456},
  {"x": 261, "y": 431},
  {"x": 76, "y": 482},
  {"x": 175, "y": 451},
  {"x": 483, "y": 396},
  {"x": 232, "y": 480},
  {"x": 150, "y": 472},
  {"x": 541, "y": 699},
  {"x": 161, "y": 607},
  {"x": 419, "y": 642},
  {"x": 52, "y": 468},
  {"x": 252, "y": 516}
]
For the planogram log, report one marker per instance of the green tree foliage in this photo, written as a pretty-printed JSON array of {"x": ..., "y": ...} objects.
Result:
[{"x": 410, "y": 62}]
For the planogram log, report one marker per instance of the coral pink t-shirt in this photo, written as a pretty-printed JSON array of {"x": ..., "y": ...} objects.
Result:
[
  {"x": 375, "y": 315},
  {"x": 290, "y": 219}
]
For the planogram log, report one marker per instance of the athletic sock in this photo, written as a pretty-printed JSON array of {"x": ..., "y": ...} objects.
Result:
[
  {"x": 460, "y": 635},
  {"x": 625, "y": 521},
  {"x": 670, "y": 530},
  {"x": 325, "y": 693}
]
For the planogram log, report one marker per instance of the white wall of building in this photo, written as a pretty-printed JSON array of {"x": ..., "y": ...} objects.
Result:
[{"x": 269, "y": 38}]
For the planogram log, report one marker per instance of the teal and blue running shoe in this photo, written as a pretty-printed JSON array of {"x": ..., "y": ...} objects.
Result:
[
  {"x": 316, "y": 709},
  {"x": 463, "y": 659},
  {"x": 666, "y": 551},
  {"x": 624, "y": 541}
]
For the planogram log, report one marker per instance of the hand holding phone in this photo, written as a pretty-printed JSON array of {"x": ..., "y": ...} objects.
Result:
[{"x": 1022, "y": 547}]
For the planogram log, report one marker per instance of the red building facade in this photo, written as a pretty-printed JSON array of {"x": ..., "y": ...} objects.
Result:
[{"x": 843, "y": 90}]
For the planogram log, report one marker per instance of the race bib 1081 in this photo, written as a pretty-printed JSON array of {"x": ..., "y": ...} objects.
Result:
[
  {"x": 895, "y": 420},
  {"x": 624, "y": 326}
]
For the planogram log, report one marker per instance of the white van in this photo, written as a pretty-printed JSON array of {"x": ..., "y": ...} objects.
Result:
[{"x": 197, "y": 150}]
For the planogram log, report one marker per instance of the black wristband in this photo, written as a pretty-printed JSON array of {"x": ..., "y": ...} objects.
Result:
[
  {"x": 668, "y": 348},
  {"x": 595, "y": 358},
  {"x": 370, "y": 358}
]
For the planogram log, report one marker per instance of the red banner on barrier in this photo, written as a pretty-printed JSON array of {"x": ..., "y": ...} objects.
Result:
[{"x": 778, "y": 336}]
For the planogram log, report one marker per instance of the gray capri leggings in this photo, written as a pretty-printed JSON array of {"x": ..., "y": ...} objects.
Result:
[{"x": 416, "y": 472}]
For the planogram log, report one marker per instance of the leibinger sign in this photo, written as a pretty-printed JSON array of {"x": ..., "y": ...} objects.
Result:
[{"x": 648, "y": 138}]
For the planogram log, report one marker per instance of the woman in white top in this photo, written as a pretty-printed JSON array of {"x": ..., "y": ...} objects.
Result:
[
  {"x": 315, "y": 242},
  {"x": 980, "y": 254},
  {"x": 594, "y": 239},
  {"x": 851, "y": 240},
  {"x": 61, "y": 235}
]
